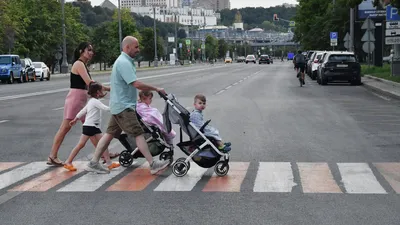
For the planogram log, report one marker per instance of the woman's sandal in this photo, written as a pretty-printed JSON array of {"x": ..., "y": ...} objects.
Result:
[{"x": 53, "y": 162}]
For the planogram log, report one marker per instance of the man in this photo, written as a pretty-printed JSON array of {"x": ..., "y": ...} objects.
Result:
[
  {"x": 300, "y": 62},
  {"x": 123, "y": 98}
]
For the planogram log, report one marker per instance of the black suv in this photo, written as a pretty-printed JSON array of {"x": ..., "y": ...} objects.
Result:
[
  {"x": 264, "y": 59},
  {"x": 28, "y": 70},
  {"x": 340, "y": 66}
]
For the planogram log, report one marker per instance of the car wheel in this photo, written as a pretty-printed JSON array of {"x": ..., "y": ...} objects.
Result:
[
  {"x": 48, "y": 76},
  {"x": 41, "y": 78},
  {"x": 11, "y": 79}
]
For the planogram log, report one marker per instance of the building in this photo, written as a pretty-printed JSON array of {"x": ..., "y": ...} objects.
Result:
[
  {"x": 108, "y": 4},
  {"x": 216, "y": 5},
  {"x": 185, "y": 16},
  {"x": 142, "y": 3}
]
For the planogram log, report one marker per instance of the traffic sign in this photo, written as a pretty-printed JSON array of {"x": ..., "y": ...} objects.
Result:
[
  {"x": 187, "y": 41},
  {"x": 292, "y": 24},
  {"x": 203, "y": 46},
  {"x": 393, "y": 32},
  {"x": 368, "y": 36},
  {"x": 368, "y": 25},
  {"x": 346, "y": 37},
  {"x": 180, "y": 45},
  {"x": 392, "y": 13},
  {"x": 392, "y": 40},
  {"x": 333, "y": 43},
  {"x": 392, "y": 24},
  {"x": 334, "y": 35},
  {"x": 368, "y": 47}
]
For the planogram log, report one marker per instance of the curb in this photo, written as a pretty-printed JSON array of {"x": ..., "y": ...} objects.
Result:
[{"x": 380, "y": 90}]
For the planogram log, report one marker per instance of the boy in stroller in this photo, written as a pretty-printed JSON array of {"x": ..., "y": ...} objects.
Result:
[{"x": 196, "y": 117}]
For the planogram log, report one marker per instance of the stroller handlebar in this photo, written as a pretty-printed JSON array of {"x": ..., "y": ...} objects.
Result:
[{"x": 163, "y": 96}]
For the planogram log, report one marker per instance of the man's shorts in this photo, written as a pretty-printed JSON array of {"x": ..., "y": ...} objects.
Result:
[
  {"x": 126, "y": 121},
  {"x": 301, "y": 66}
]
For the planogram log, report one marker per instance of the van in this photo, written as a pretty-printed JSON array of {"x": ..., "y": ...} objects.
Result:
[{"x": 11, "y": 69}]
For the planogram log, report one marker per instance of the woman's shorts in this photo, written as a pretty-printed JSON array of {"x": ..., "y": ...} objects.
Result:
[
  {"x": 74, "y": 102},
  {"x": 90, "y": 131}
]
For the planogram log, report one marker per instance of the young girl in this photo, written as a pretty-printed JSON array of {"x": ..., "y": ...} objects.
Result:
[
  {"x": 91, "y": 127},
  {"x": 151, "y": 115}
]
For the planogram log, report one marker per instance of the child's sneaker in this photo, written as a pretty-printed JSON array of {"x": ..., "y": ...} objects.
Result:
[
  {"x": 224, "y": 148},
  {"x": 96, "y": 167},
  {"x": 227, "y": 144},
  {"x": 158, "y": 165},
  {"x": 113, "y": 166}
]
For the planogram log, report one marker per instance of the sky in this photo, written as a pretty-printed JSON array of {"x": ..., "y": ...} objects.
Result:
[{"x": 234, "y": 3}]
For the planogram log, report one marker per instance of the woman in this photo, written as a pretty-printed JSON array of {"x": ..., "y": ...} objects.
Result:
[{"x": 76, "y": 98}]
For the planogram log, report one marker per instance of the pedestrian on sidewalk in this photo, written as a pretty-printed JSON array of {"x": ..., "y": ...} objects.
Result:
[
  {"x": 76, "y": 98},
  {"x": 123, "y": 99},
  {"x": 91, "y": 127}
]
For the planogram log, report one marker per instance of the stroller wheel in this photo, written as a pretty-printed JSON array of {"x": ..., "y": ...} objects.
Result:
[
  {"x": 182, "y": 160},
  {"x": 125, "y": 159},
  {"x": 221, "y": 168},
  {"x": 180, "y": 168},
  {"x": 165, "y": 156}
]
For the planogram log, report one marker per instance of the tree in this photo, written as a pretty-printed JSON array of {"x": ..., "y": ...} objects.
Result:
[
  {"x": 222, "y": 48},
  {"x": 211, "y": 47},
  {"x": 148, "y": 45}
]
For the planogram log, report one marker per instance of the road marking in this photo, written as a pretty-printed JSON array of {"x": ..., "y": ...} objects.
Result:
[
  {"x": 10, "y": 97},
  {"x": 91, "y": 181},
  {"x": 317, "y": 178},
  {"x": 228, "y": 87},
  {"x": 58, "y": 108},
  {"x": 359, "y": 179},
  {"x": 391, "y": 172},
  {"x": 186, "y": 183},
  {"x": 231, "y": 182},
  {"x": 234, "y": 84},
  {"x": 274, "y": 177},
  {"x": 21, "y": 173},
  {"x": 220, "y": 92},
  {"x": 3, "y": 121},
  {"x": 50, "y": 179},
  {"x": 8, "y": 165},
  {"x": 137, "y": 180}
]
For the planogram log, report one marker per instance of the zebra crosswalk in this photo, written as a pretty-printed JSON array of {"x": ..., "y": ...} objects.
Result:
[{"x": 262, "y": 177}]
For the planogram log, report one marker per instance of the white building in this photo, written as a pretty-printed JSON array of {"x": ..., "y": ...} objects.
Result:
[
  {"x": 185, "y": 16},
  {"x": 139, "y": 3}
]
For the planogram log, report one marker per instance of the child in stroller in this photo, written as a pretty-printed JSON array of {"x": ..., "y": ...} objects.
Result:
[
  {"x": 157, "y": 137},
  {"x": 200, "y": 148}
]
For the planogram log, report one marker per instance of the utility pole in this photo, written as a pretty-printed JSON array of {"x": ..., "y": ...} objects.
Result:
[
  {"x": 176, "y": 38},
  {"x": 119, "y": 25},
  {"x": 351, "y": 30},
  {"x": 191, "y": 39},
  {"x": 64, "y": 64}
]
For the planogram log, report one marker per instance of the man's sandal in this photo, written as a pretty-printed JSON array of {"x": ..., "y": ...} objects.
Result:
[{"x": 54, "y": 162}]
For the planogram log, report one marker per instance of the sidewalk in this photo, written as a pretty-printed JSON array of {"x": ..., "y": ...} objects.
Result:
[{"x": 385, "y": 87}]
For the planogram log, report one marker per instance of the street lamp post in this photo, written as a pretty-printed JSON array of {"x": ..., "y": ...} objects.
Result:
[
  {"x": 155, "y": 39},
  {"x": 119, "y": 25},
  {"x": 64, "y": 64}
]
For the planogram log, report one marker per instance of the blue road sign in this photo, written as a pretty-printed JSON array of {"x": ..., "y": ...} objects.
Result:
[
  {"x": 334, "y": 36},
  {"x": 392, "y": 13}
]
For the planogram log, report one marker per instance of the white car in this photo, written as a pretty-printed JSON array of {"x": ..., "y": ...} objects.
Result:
[{"x": 42, "y": 70}]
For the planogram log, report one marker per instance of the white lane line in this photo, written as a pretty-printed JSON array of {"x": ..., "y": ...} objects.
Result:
[
  {"x": 234, "y": 84},
  {"x": 107, "y": 83},
  {"x": 58, "y": 108},
  {"x": 228, "y": 87},
  {"x": 91, "y": 181},
  {"x": 21, "y": 173},
  {"x": 186, "y": 183},
  {"x": 274, "y": 177},
  {"x": 3, "y": 121},
  {"x": 219, "y": 92},
  {"x": 358, "y": 178},
  {"x": 240, "y": 81}
]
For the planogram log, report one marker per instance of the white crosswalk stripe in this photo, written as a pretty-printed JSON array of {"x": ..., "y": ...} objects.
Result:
[{"x": 270, "y": 177}]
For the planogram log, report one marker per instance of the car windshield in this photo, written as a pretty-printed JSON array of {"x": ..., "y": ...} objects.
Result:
[
  {"x": 37, "y": 65},
  {"x": 342, "y": 58},
  {"x": 5, "y": 60}
]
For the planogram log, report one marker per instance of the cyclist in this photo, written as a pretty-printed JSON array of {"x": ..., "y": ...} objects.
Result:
[{"x": 300, "y": 63}]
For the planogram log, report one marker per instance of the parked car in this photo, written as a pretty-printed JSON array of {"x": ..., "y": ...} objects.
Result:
[
  {"x": 42, "y": 70},
  {"x": 228, "y": 60},
  {"x": 264, "y": 59},
  {"x": 241, "y": 59},
  {"x": 28, "y": 70},
  {"x": 251, "y": 58},
  {"x": 11, "y": 69},
  {"x": 340, "y": 66},
  {"x": 315, "y": 63}
]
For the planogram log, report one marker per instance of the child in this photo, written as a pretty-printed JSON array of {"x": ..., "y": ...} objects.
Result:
[
  {"x": 196, "y": 117},
  {"x": 151, "y": 115},
  {"x": 91, "y": 127}
]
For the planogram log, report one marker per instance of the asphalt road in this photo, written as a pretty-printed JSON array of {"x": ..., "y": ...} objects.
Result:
[{"x": 301, "y": 155}]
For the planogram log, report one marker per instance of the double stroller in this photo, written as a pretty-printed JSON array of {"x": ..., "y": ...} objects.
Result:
[{"x": 200, "y": 149}]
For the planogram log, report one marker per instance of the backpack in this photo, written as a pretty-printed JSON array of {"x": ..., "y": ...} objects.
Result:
[{"x": 300, "y": 58}]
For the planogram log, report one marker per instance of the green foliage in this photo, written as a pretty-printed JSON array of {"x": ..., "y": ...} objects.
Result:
[
  {"x": 148, "y": 45},
  {"x": 222, "y": 48},
  {"x": 254, "y": 17},
  {"x": 211, "y": 47}
]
